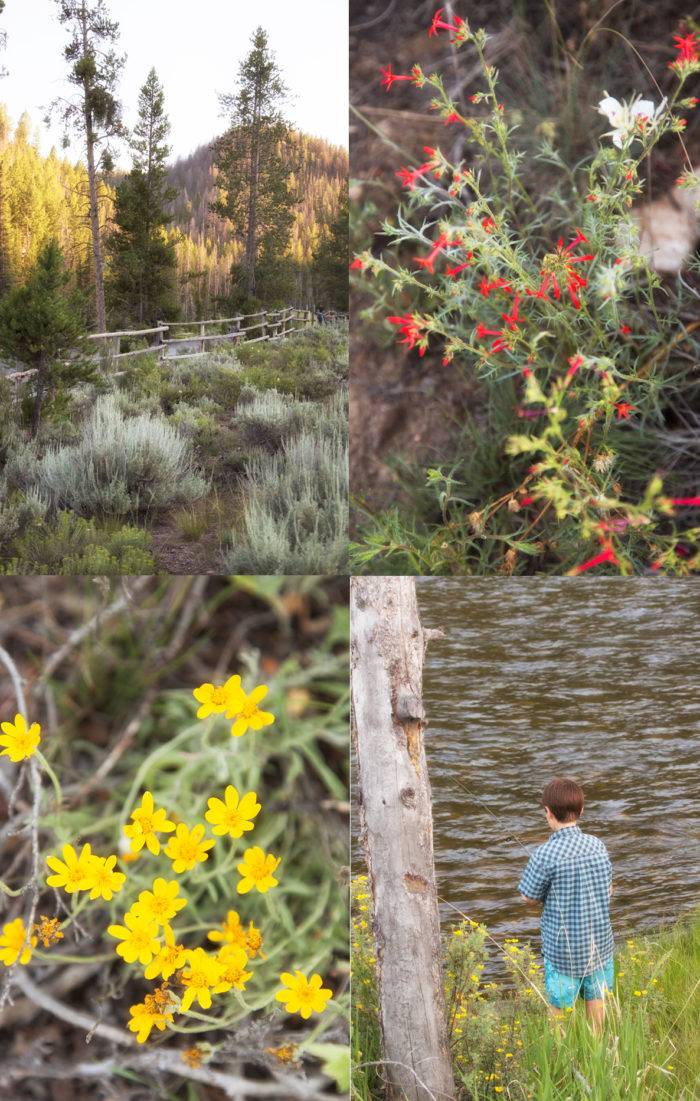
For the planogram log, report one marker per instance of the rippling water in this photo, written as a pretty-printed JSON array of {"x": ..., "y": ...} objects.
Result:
[{"x": 541, "y": 677}]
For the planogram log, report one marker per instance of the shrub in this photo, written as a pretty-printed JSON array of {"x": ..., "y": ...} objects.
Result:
[
  {"x": 71, "y": 544},
  {"x": 121, "y": 466},
  {"x": 296, "y": 511}
]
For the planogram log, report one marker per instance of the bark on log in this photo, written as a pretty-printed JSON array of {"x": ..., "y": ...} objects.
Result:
[{"x": 387, "y": 649}]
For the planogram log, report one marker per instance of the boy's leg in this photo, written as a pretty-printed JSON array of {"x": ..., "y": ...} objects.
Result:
[
  {"x": 595, "y": 988},
  {"x": 595, "y": 1011},
  {"x": 562, "y": 991}
]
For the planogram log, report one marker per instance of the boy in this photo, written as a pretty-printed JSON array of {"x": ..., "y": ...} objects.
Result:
[{"x": 572, "y": 875}]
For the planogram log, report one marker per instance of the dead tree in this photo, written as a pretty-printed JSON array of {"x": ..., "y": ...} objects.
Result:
[{"x": 388, "y": 646}]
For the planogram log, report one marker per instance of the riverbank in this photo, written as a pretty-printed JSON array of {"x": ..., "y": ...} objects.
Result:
[{"x": 503, "y": 1045}]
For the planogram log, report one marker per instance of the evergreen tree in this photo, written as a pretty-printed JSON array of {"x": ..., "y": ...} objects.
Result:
[
  {"x": 95, "y": 112},
  {"x": 143, "y": 280},
  {"x": 254, "y": 191},
  {"x": 331, "y": 262},
  {"x": 42, "y": 322}
]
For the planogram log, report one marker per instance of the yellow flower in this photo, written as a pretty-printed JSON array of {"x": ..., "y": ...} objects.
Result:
[
  {"x": 203, "y": 973},
  {"x": 102, "y": 880},
  {"x": 215, "y": 698},
  {"x": 244, "y": 709},
  {"x": 147, "y": 822},
  {"x": 256, "y": 869},
  {"x": 161, "y": 904},
  {"x": 231, "y": 932},
  {"x": 192, "y": 1056},
  {"x": 171, "y": 956},
  {"x": 233, "y": 815},
  {"x": 286, "y": 1053},
  {"x": 19, "y": 740},
  {"x": 145, "y": 1016},
  {"x": 139, "y": 939},
  {"x": 187, "y": 848},
  {"x": 303, "y": 996},
  {"x": 48, "y": 930},
  {"x": 254, "y": 942},
  {"x": 15, "y": 944},
  {"x": 233, "y": 973},
  {"x": 74, "y": 874}
]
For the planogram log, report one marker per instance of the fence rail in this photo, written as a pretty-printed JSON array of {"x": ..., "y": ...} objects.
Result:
[{"x": 273, "y": 325}]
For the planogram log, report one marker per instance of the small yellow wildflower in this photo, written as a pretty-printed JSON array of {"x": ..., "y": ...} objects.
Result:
[
  {"x": 48, "y": 930},
  {"x": 199, "y": 977},
  {"x": 254, "y": 942},
  {"x": 233, "y": 973},
  {"x": 187, "y": 847},
  {"x": 231, "y": 932},
  {"x": 286, "y": 1053},
  {"x": 246, "y": 713},
  {"x": 215, "y": 699},
  {"x": 257, "y": 871},
  {"x": 303, "y": 996},
  {"x": 102, "y": 880},
  {"x": 171, "y": 956},
  {"x": 147, "y": 822},
  {"x": 233, "y": 815},
  {"x": 14, "y": 943},
  {"x": 145, "y": 1016},
  {"x": 73, "y": 872},
  {"x": 19, "y": 740},
  {"x": 139, "y": 938},
  {"x": 162, "y": 903},
  {"x": 639, "y": 993}
]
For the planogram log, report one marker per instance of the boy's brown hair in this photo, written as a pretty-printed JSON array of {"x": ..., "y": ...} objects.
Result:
[{"x": 564, "y": 798}]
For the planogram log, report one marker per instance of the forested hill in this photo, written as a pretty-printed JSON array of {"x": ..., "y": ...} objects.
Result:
[{"x": 207, "y": 243}]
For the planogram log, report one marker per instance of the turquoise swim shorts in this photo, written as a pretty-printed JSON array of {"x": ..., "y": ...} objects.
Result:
[{"x": 563, "y": 990}]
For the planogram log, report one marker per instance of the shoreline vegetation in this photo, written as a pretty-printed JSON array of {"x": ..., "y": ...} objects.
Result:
[{"x": 503, "y": 1043}]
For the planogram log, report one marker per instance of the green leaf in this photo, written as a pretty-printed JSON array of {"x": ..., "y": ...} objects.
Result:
[{"x": 335, "y": 1062}]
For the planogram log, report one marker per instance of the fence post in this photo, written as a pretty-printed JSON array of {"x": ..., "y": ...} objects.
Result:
[{"x": 263, "y": 325}]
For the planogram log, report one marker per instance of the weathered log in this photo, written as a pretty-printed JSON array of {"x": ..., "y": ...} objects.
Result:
[{"x": 387, "y": 650}]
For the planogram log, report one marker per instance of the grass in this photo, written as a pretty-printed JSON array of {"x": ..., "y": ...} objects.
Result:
[
  {"x": 155, "y": 445},
  {"x": 144, "y": 662},
  {"x": 503, "y": 1042}
]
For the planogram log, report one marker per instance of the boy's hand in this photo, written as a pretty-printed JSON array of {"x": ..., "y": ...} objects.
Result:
[{"x": 530, "y": 901}]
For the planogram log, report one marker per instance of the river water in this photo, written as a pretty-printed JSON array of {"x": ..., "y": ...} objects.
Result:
[{"x": 544, "y": 677}]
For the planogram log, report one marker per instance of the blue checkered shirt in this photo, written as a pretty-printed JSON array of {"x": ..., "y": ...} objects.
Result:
[{"x": 571, "y": 873}]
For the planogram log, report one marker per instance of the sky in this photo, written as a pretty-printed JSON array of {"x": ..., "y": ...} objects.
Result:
[{"x": 196, "y": 48}]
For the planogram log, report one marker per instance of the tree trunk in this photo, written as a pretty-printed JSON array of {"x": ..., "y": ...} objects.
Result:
[
  {"x": 100, "y": 309},
  {"x": 251, "y": 246},
  {"x": 39, "y": 394},
  {"x": 387, "y": 649}
]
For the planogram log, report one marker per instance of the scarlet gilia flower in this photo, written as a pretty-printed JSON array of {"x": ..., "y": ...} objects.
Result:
[
  {"x": 623, "y": 409},
  {"x": 558, "y": 269},
  {"x": 452, "y": 117},
  {"x": 685, "y": 502},
  {"x": 687, "y": 48},
  {"x": 411, "y": 329},
  {"x": 488, "y": 224},
  {"x": 625, "y": 330},
  {"x": 574, "y": 363},
  {"x": 606, "y": 555},
  {"x": 592, "y": 198},
  {"x": 486, "y": 286},
  {"x": 454, "y": 272},
  {"x": 438, "y": 24},
  {"x": 512, "y": 320},
  {"x": 389, "y": 78},
  {"x": 357, "y": 264},
  {"x": 692, "y": 102},
  {"x": 428, "y": 262},
  {"x": 409, "y": 176}
]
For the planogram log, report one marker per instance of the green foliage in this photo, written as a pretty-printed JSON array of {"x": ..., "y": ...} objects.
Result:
[
  {"x": 142, "y": 285},
  {"x": 69, "y": 544},
  {"x": 331, "y": 262},
  {"x": 121, "y": 466},
  {"x": 253, "y": 176},
  {"x": 43, "y": 324}
]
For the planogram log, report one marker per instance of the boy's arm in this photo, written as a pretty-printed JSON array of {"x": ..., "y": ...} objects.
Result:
[{"x": 535, "y": 881}]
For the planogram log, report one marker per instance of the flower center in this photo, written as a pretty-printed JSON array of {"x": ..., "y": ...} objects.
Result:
[
  {"x": 196, "y": 978},
  {"x": 146, "y": 823},
  {"x": 188, "y": 851}
]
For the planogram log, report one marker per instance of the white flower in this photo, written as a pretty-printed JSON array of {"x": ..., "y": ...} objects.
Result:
[{"x": 625, "y": 117}]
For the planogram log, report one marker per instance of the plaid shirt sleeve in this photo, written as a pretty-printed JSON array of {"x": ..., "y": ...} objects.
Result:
[{"x": 536, "y": 879}]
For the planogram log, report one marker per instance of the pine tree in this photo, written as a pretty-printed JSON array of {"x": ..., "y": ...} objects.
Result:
[
  {"x": 143, "y": 281},
  {"x": 331, "y": 262},
  {"x": 254, "y": 191},
  {"x": 95, "y": 112},
  {"x": 44, "y": 321}
]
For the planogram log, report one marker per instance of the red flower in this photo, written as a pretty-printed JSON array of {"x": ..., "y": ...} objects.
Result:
[
  {"x": 559, "y": 266},
  {"x": 574, "y": 363},
  {"x": 623, "y": 410},
  {"x": 428, "y": 262},
  {"x": 687, "y": 51},
  {"x": 688, "y": 502},
  {"x": 526, "y": 500},
  {"x": 625, "y": 330},
  {"x": 513, "y": 319},
  {"x": 606, "y": 555},
  {"x": 357, "y": 264},
  {"x": 488, "y": 224},
  {"x": 411, "y": 329},
  {"x": 453, "y": 117},
  {"x": 452, "y": 272},
  {"x": 409, "y": 176},
  {"x": 474, "y": 98},
  {"x": 485, "y": 287},
  {"x": 693, "y": 101},
  {"x": 389, "y": 78},
  {"x": 438, "y": 24},
  {"x": 592, "y": 198}
]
